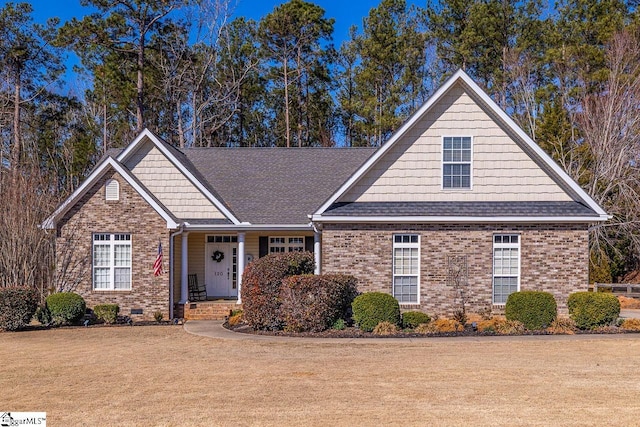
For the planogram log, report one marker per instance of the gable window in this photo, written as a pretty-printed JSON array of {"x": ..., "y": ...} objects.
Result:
[
  {"x": 506, "y": 266},
  {"x": 456, "y": 162},
  {"x": 406, "y": 267},
  {"x": 112, "y": 190},
  {"x": 286, "y": 244},
  {"x": 111, "y": 261}
]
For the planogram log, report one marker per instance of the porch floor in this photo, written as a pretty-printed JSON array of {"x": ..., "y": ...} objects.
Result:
[{"x": 214, "y": 309}]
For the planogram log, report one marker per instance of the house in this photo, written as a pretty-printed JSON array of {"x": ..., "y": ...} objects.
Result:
[{"x": 459, "y": 198}]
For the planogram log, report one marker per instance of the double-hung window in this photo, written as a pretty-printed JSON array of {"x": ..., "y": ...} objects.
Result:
[
  {"x": 406, "y": 267},
  {"x": 286, "y": 244},
  {"x": 456, "y": 162},
  {"x": 111, "y": 262},
  {"x": 506, "y": 266}
]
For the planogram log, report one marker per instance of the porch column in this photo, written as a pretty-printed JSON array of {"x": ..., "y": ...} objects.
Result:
[
  {"x": 184, "y": 270},
  {"x": 316, "y": 252},
  {"x": 240, "y": 265}
]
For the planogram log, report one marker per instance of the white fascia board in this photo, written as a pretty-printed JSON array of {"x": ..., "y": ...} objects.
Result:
[
  {"x": 461, "y": 75},
  {"x": 160, "y": 146},
  {"x": 50, "y": 222},
  {"x": 248, "y": 227},
  {"x": 458, "y": 219},
  {"x": 390, "y": 143}
]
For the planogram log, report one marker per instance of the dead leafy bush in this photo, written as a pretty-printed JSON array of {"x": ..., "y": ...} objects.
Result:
[
  {"x": 562, "y": 326},
  {"x": 500, "y": 325},
  {"x": 385, "y": 328},
  {"x": 236, "y": 319},
  {"x": 630, "y": 325},
  {"x": 440, "y": 326}
]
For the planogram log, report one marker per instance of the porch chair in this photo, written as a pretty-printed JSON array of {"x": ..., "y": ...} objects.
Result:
[{"x": 196, "y": 292}]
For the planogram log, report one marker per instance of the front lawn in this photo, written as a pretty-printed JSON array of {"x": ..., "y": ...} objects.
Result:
[{"x": 160, "y": 375}]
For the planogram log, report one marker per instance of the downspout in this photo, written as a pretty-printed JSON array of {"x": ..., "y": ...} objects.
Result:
[{"x": 171, "y": 246}]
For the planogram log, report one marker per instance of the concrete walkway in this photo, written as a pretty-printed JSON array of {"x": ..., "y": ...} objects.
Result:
[{"x": 214, "y": 329}]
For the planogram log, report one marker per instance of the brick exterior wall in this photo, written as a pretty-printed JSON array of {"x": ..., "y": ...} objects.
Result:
[
  {"x": 131, "y": 214},
  {"x": 553, "y": 258}
]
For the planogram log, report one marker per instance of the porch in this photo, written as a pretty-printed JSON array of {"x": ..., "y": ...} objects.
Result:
[{"x": 216, "y": 260}]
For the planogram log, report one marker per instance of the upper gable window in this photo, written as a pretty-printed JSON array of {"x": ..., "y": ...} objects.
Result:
[
  {"x": 112, "y": 190},
  {"x": 456, "y": 162}
]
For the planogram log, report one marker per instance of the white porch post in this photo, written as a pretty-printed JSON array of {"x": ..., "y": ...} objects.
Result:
[
  {"x": 184, "y": 270},
  {"x": 240, "y": 265},
  {"x": 316, "y": 252}
]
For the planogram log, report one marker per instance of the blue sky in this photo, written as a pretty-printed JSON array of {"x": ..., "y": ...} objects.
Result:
[{"x": 345, "y": 12}]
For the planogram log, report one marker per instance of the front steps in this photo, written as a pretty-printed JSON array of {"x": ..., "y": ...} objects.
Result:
[{"x": 206, "y": 310}]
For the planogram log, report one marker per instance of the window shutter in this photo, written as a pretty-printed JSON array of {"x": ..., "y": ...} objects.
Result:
[
  {"x": 308, "y": 243},
  {"x": 112, "y": 190},
  {"x": 263, "y": 246}
]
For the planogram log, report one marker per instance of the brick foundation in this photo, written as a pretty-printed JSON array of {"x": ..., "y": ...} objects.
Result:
[
  {"x": 553, "y": 258},
  {"x": 207, "y": 310},
  {"x": 131, "y": 214}
]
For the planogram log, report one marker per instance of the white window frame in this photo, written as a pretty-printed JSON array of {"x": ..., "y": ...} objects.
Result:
[
  {"x": 443, "y": 163},
  {"x": 403, "y": 245},
  {"x": 114, "y": 186},
  {"x": 503, "y": 245},
  {"x": 286, "y": 245},
  {"x": 125, "y": 239}
]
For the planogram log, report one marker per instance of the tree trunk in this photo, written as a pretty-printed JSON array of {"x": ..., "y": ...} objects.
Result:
[
  {"x": 17, "y": 135},
  {"x": 140, "y": 86},
  {"x": 287, "y": 135},
  {"x": 180, "y": 129}
]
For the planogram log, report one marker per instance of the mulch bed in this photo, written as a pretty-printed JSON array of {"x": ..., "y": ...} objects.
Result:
[{"x": 353, "y": 332}]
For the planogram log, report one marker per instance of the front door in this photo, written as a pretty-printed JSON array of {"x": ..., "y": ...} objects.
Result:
[{"x": 221, "y": 260}]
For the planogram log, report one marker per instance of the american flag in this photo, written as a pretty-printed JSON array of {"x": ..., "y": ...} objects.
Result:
[{"x": 157, "y": 265}]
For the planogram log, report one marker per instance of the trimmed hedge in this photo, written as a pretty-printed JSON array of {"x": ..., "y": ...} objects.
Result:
[
  {"x": 536, "y": 310},
  {"x": 66, "y": 307},
  {"x": 371, "y": 308},
  {"x": 17, "y": 306},
  {"x": 314, "y": 303},
  {"x": 108, "y": 313},
  {"x": 411, "y": 319},
  {"x": 261, "y": 284},
  {"x": 590, "y": 310}
]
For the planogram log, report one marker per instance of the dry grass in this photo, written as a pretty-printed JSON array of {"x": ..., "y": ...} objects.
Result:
[
  {"x": 628, "y": 303},
  {"x": 162, "y": 376}
]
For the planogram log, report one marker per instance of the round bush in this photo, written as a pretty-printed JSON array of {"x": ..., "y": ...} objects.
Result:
[
  {"x": 371, "y": 308},
  {"x": 66, "y": 307},
  {"x": 108, "y": 313},
  {"x": 411, "y": 319},
  {"x": 536, "y": 310},
  {"x": 261, "y": 284},
  {"x": 590, "y": 310},
  {"x": 17, "y": 306}
]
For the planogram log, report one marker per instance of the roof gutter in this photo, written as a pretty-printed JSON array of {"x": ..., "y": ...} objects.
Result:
[
  {"x": 458, "y": 219},
  {"x": 247, "y": 227}
]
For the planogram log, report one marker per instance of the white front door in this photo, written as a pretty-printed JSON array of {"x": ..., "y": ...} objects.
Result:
[{"x": 221, "y": 270}]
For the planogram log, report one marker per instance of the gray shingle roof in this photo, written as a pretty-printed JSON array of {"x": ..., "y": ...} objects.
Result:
[
  {"x": 462, "y": 209},
  {"x": 274, "y": 185}
]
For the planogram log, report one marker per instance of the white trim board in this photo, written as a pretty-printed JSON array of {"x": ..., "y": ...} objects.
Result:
[
  {"x": 109, "y": 162},
  {"x": 461, "y": 76},
  {"x": 146, "y": 133}
]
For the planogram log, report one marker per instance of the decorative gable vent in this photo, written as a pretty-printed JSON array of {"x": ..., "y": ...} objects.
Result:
[{"x": 112, "y": 190}]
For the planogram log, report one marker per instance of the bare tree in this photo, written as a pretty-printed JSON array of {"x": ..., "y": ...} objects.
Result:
[{"x": 607, "y": 156}]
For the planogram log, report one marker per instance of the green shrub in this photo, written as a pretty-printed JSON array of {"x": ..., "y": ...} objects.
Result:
[
  {"x": 43, "y": 315},
  {"x": 536, "y": 310},
  {"x": 371, "y": 308},
  {"x": 411, "y": 319},
  {"x": 338, "y": 325},
  {"x": 590, "y": 309},
  {"x": 66, "y": 307},
  {"x": 108, "y": 313},
  {"x": 261, "y": 284},
  {"x": 17, "y": 306},
  {"x": 314, "y": 303}
]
